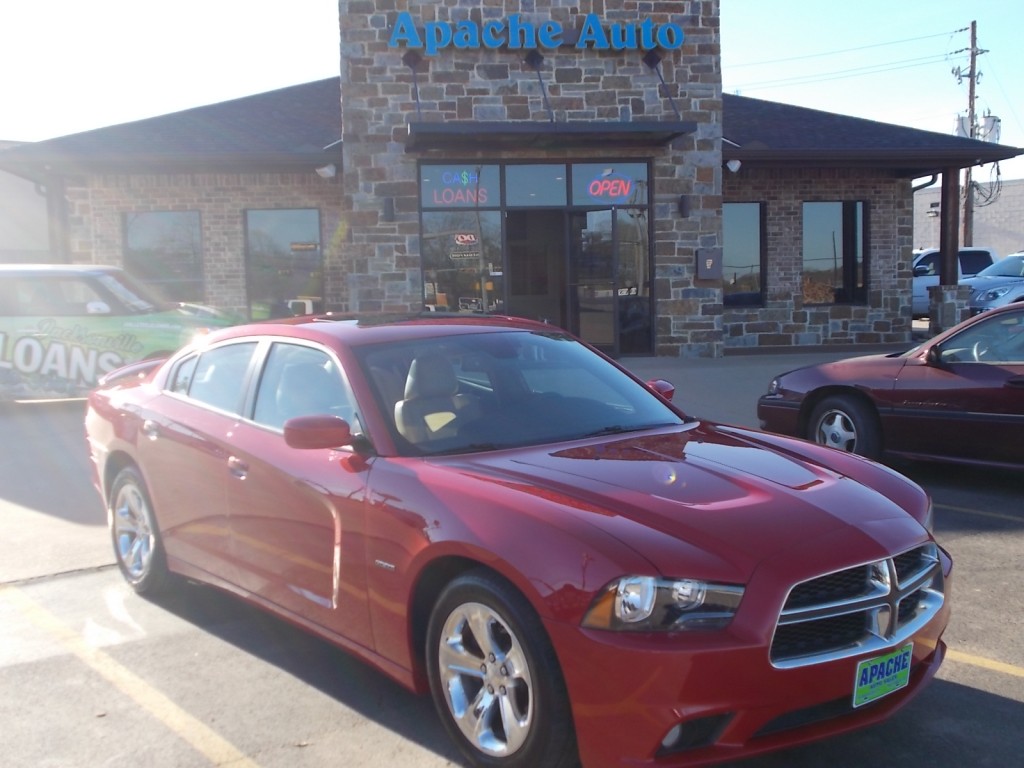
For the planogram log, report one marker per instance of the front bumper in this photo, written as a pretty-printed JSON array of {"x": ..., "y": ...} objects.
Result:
[
  {"x": 729, "y": 701},
  {"x": 779, "y": 415}
]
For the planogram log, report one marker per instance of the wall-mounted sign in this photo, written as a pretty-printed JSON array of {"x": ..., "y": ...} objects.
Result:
[{"x": 516, "y": 33}]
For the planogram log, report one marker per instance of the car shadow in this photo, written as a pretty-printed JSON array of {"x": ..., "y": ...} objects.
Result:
[{"x": 314, "y": 661}]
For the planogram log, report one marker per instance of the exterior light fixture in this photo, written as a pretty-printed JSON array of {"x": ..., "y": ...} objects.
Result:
[
  {"x": 327, "y": 171},
  {"x": 733, "y": 165}
]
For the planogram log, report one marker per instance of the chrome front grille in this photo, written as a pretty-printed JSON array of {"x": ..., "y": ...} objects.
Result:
[{"x": 861, "y": 609}]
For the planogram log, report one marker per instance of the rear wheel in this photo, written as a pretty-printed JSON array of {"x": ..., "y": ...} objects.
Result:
[
  {"x": 136, "y": 537},
  {"x": 495, "y": 679},
  {"x": 846, "y": 423}
]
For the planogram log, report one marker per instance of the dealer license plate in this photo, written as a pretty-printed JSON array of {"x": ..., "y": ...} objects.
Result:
[{"x": 882, "y": 675}]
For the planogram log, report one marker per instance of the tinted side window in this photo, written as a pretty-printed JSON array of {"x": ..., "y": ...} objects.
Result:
[
  {"x": 928, "y": 265},
  {"x": 219, "y": 377},
  {"x": 972, "y": 262}
]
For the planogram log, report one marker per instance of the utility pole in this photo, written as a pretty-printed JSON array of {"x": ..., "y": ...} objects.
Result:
[{"x": 972, "y": 78}]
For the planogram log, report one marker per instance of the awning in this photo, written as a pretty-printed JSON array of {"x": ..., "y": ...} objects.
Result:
[{"x": 533, "y": 134}]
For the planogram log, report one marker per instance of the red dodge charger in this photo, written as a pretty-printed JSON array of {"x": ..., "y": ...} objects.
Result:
[{"x": 490, "y": 510}]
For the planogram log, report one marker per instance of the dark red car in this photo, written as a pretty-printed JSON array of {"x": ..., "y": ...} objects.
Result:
[
  {"x": 958, "y": 397},
  {"x": 490, "y": 510}
]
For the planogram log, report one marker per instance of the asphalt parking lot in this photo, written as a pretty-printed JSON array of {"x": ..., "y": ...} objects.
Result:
[{"x": 92, "y": 675}]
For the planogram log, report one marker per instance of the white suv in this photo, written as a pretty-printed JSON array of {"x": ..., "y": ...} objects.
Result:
[{"x": 926, "y": 272}]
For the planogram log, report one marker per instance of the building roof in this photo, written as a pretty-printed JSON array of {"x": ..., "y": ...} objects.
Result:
[
  {"x": 299, "y": 128},
  {"x": 766, "y": 133}
]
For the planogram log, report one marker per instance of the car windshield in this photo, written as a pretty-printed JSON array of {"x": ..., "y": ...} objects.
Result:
[
  {"x": 480, "y": 392},
  {"x": 137, "y": 298},
  {"x": 1011, "y": 266}
]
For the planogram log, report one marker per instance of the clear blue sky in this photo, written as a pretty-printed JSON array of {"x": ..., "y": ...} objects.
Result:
[
  {"x": 885, "y": 60},
  {"x": 73, "y": 65}
]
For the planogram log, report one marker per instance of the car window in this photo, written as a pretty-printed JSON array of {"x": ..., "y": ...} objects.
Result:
[
  {"x": 219, "y": 376},
  {"x": 972, "y": 262},
  {"x": 58, "y": 296},
  {"x": 927, "y": 265},
  {"x": 994, "y": 341},
  {"x": 301, "y": 381},
  {"x": 479, "y": 392},
  {"x": 1011, "y": 266}
]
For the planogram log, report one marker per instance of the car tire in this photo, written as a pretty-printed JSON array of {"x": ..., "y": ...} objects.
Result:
[
  {"x": 495, "y": 679},
  {"x": 846, "y": 423},
  {"x": 138, "y": 546}
]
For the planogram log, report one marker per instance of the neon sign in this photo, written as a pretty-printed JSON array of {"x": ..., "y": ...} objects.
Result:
[
  {"x": 516, "y": 33},
  {"x": 613, "y": 187},
  {"x": 459, "y": 187}
]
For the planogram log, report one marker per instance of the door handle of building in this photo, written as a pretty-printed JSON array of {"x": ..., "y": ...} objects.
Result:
[{"x": 237, "y": 467}]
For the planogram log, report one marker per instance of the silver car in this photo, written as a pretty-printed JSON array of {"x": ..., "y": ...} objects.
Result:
[{"x": 998, "y": 285}]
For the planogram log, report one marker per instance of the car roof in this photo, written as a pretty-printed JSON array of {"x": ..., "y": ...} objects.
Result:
[
  {"x": 371, "y": 328},
  {"x": 56, "y": 269}
]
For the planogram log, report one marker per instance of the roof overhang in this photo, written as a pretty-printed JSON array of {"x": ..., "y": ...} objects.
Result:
[
  {"x": 491, "y": 136},
  {"x": 907, "y": 164}
]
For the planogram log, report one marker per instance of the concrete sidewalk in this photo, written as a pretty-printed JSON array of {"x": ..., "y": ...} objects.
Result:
[{"x": 726, "y": 389}]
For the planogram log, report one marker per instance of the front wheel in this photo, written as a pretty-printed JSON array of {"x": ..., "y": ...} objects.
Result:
[
  {"x": 136, "y": 537},
  {"x": 846, "y": 423},
  {"x": 495, "y": 679}
]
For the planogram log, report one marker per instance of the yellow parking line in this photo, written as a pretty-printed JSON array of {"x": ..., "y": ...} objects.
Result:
[
  {"x": 981, "y": 513},
  {"x": 989, "y": 664},
  {"x": 200, "y": 737}
]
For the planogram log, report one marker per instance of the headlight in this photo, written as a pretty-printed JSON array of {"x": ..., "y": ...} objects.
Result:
[
  {"x": 645, "y": 603},
  {"x": 997, "y": 293}
]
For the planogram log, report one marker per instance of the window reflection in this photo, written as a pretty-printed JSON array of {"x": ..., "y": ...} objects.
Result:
[
  {"x": 163, "y": 249},
  {"x": 833, "y": 252},
  {"x": 284, "y": 262},
  {"x": 742, "y": 254}
]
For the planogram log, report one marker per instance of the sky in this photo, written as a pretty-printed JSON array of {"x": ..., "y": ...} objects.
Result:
[{"x": 68, "y": 66}]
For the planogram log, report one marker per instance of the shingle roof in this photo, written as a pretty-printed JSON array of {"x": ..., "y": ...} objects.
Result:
[
  {"x": 767, "y": 133},
  {"x": 300, "y": 127},
  {"x": 294, "y": 127}
]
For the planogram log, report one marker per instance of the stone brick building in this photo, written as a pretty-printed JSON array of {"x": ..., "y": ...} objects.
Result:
[{"x": 575, "y": 162}]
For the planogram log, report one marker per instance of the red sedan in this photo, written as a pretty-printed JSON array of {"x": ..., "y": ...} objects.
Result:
[
  {"x": 490, "y": 510},
  {"x": 958, "y": 397}
]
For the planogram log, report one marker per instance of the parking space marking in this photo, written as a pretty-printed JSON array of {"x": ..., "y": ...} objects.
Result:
[
  {"x": 197, "y": 734},
  {"x": 981, "y": 513},
  {"x": 989, "y": 664}
]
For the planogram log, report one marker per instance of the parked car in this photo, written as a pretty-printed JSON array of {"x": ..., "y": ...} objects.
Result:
[
  {"x": 64, "y": 326},
  {"x": 492, "y": 511},
  {"x": 926, "y": 266},
  {"x": 998, "y": 285},
  {"x": 958, "y": 397}
]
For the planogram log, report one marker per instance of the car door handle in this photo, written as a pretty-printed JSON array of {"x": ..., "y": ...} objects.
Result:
[
  {"x": 1017, "y": 382},
  {"x": 237, "y": 467},
  {"x": 150, "y": 429}
]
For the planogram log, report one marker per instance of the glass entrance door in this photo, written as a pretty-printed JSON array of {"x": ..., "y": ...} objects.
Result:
[{"x": 592, "y": 284}]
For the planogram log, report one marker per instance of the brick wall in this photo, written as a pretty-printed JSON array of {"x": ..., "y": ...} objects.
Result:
[
  {"x": 96, "y": 205},
  {"x": 381, "y": 263},
  {"x": 785, "y": 320}
]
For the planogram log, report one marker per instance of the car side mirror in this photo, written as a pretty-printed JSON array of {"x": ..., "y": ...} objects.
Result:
[
  {"x": 317, "y": 432},
  {"x": 934, "y": 356},
  {"x": 663, "y": 388},
  {"x": 921, "y": 271},
  {"x": 97, "y": 308}
]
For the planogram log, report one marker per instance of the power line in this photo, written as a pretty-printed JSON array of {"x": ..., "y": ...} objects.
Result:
[
  {"x": 848, "y": 50},
  {"x": 819, "y": 77}
]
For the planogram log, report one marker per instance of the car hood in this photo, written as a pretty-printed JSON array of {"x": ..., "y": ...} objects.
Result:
[
  {"x": 988, "y": 282},
  {"x": 722, "y": 490}
]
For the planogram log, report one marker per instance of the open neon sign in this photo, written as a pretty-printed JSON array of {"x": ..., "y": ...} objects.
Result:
[{"x": 612, "y": 188}]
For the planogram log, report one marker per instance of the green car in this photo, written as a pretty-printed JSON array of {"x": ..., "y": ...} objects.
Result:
[{"x": 64, "y": 326}]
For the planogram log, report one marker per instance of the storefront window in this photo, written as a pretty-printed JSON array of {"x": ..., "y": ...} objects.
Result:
[
  {"x": 459, "y": 185},
  {"x": 284, "y": 262},
  {"x": 163, "y": 249},
  {"x": 541, "y": 185},
  {"x": 609, "y": 184},
  {"x": 742, "y": 254},
  {"x": 462, "y": 267},
  {"x": 834, "y": 263}
]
